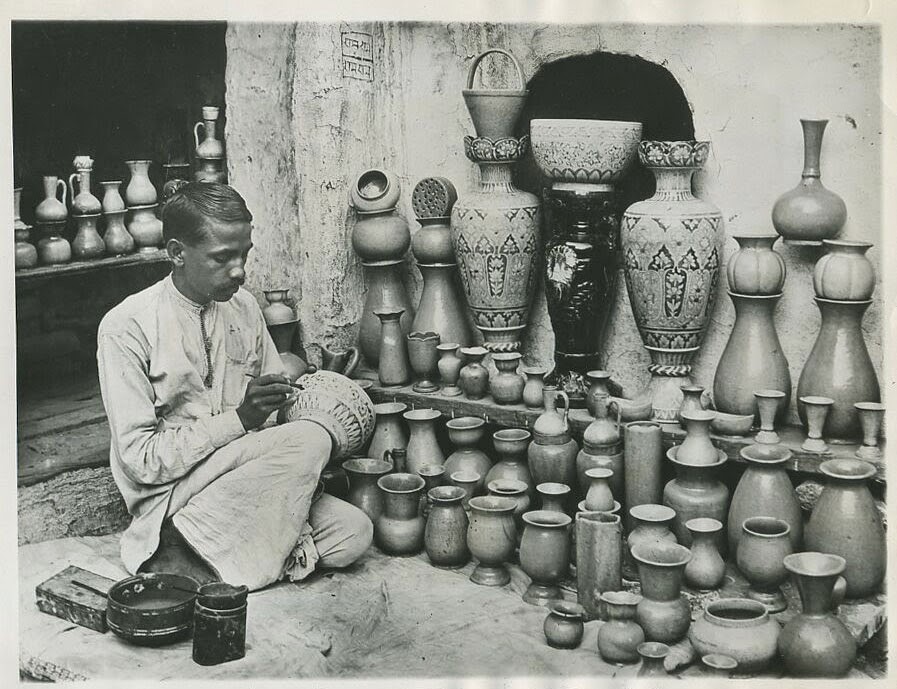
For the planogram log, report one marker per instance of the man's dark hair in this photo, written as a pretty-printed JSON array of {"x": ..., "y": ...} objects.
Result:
[{"x": 184, "y": 215}]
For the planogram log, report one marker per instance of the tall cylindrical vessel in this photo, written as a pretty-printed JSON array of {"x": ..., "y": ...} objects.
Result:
[
  {"x": 643, "y": 462},
  {"x": 445, "y": 536},
  {"x": 599, "y": 553}
]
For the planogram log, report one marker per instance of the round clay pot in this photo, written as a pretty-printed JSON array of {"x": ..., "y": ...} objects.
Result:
[
  {"x": 506, "y": 386},
  {"x": 87, "y": 244},
  {"x": 432, "y": 243},
  {"x": 706, "y": 569},
  {"x": 491, "y": 537},
  {"x": 511, "y": 445},
  {"x": 764, "y": 545},
  {"x": 620, "y": 637},
  {"x": 755, "y": 268},
  {"x": 445, "y": 536},
  {"x": 663, "y": 612},
  {"x": 544, "y": 554},
  {"x": 117, "y": 239},
  {"x": 739, "y": 628},
  {"x": 474, "y": 377},
  {"x": 364, "y": 493},
  {"x": 465, "y": 433},
  {"x": 844, "y": 273},
  {"x": 400, "y": 529},
  {"x": 564, "y": 625},
  {"x": 53, "y": 248},
  {"x": 375, "y": 190},
  {"x": 380, "y": 236},
  {"x": 145, "y": 227}
]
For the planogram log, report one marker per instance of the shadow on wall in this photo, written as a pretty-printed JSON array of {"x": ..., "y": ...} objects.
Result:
[{"x": 607, "y": 86}]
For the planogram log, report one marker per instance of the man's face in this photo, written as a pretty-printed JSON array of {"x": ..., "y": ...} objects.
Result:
[{"x": 213, "y": 269}]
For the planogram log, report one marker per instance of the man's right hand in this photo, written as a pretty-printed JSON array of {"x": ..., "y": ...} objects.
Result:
[{"x": 264, "y": 395}]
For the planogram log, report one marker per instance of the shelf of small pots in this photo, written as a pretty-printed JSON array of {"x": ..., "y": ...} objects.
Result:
[{"x": 75, "y": 267}]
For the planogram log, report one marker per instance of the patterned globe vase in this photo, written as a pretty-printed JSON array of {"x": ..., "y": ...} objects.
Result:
[
  {"x": 495, "y": 236},
  {"x": 671, "y": 246}
]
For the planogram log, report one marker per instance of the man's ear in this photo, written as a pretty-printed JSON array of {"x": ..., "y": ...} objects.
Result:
[{"x": 175, "y": 249}]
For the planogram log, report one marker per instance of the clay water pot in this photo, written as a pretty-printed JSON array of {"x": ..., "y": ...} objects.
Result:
[
  {"x": 706, "y": 569},
  {"x": 449, "y": 367},
  {"x": 845, "y": 522},
  {"x": 506, "y": 387},
  {"x": 394, "y": 367},
  {"x": 544, "y": 554},
  {"x": 555, "y": 497},
  {"x": 399, "y": 530},
  {"x": 663, "y": 612},
  {"x": 532, "y": 389},
  {"x": 363, "y": 474},
  {"x": 552, "y": 454},
  {"x": 599, "y": 497},
  {"x": 643, "y": 466},
  {"x": 145, "y": 228},
  {"x": 697, "y": 448},
  {"x": 653, "y": 655},
  {"x": 424, "y": 358},
  {"x": 718, "y": 665},
  {"x": 764, "y": 490},
  {"x": 816, "y": 643},
  {"x": 768, "y": 403},
  {"x": 844, "y": 273},
  {"x": 696, "y": 492},
  {"x": 51, "y": 209},
  {"x": 564, "y": 625},
  {"x": 511, "y": 445},
  {"x": 871, "y": 415},
  {"x": 380, "y": 235},
  {"x": 53, "y": 248},
  {"x": 117, "y": 240},
  {"x": 474, "y": 377},
  {"x": 466, "y": 481},
  {"x": 620, "y": 637},
  {"x": 763, "y": 546},
  {"x": 433, "y": 476},
  {"x": 140, "y": 191},
  {"x": 492, "y": 538},
  {"x": 739, "y": 628},
  {"x": 445, "y": 536},
  {"x": 112, "y": 201},
  {"x": 755, "y": 268},
  {"x": 375, "y": 190},
  {"x": 815, "y": 411},
  {"x": 465, "y": 433},
  {"x": 87, "y": 244},
  {"x": 389, "y": 430},
  {"x": 422, "y": 448},
  {"x": 494, "y": 111},
  {"x": 652, "y": 524},
  {"x": 598, "y": 546}
]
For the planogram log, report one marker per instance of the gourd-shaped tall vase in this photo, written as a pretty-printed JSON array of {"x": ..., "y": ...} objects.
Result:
[
  {"x": 87, "y": 243},
  {"x": 671, "y": 258},
  {"x": 495, "y": 228},
  {"x": 51, "y": 209},
  {"x": 83, "y": 203},
  {"x": 140, "y": 190},
  {"x": 210, "y": 147},
  {"x": 26, "y": 253},
  {"x": 839, "y": 367},
  {"x": 756, "y": 268}
]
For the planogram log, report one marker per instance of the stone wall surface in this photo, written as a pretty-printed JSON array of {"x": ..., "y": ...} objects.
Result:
[{"x": 299, "y": 132}]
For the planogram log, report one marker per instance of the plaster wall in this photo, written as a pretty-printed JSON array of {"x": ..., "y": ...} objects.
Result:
[{"x": 299, "y": 132}]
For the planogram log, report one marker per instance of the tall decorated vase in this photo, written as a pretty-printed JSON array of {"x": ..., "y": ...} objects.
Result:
[
  {"x": 671, "y": 256},
  {"x": 495, "y": 228}
]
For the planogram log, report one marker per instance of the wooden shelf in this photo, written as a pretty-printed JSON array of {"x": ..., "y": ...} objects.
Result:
[
  {"x": 517, "y": 415},
  {"x": 76, "y": 267}
]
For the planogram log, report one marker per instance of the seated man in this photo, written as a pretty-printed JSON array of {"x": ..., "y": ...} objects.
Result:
[{"x": 188, "y": 371}]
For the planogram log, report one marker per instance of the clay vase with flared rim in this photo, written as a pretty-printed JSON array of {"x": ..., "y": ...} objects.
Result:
[
  {"x": 210, "y": 146},
  {"x": 532, "y": 389},
  {"x": 278, "y": 311},
  {"x": 399, "y": 530},
  {"x": 145, "y": 228},
  {"x": 756, "y": 268},
  {"x": 642, "y": 466},
  {"x": 846, "y": 522},
  {"x": 696, "y": 492},
  {"x": 768, "y": 402},
  {"x": 599, "y": 551},
  {"x": 433, "y": 476},
  {"x": 422, "y": 448},
  {"x": 706, "y": 569},
  {"x": 697, "y": 448},
  {"x": 620, "y": 636},
  {"x": 389, "y": 430},
  {"x": 51, "y": 209},
  {"x": 839, "y": 367},
  {"x": 494, "y": 111},
  {"x": 653, "y": 654},
  {"x": 815, "y": 411},
  {"x": 466, "y": 481},
  {"x": 871, "y": 415},
  {"x": 140, "y": 190},
  {"x": 53, "y": 248},
  {"x": 87, "y": 244},
  {"x": 816, "y": 643},
  {"x": 664, "y": 613},
  {"x": 445, "y": 536},
  {"x": 598, "y": 392},
  {"x": 553, "y": 497},
  {"x": 599, "y": 497},
  {"x": 844, "y": 273},
  {"x": 764, "y": 490},
  {"x": 652, "y": 524},
  {"x": 545, "y": 554},
  {"x": 564, "y": 625},
  {"x": 764, "y": 544},
  {"x": 442, "y": 308},
  {"x": 394, "y": 368},
  {"x": 491, "y": 537},
  {"x": 809, "y": 213},
  {"x": 718, "y": 665},
  {"x": 474, "y": 377},
  {"x": 83, "y": 202},
  {"x": 449, "y": 367},
  {"x": 510, "y": 446},
  {"x": 112, "y": 201},
  {"x": 117, "y": 240},
  {"x": 739, "y": 628},
  {"x": 465, "y": 433},
  {"x": 385, "y": 291},
  {"x": 753, "y": 358},
  {"x": 423, "y": 358},
  {"x": 363, "y": 474},
  {"x": 692, "y": 400},
  {"x": 506, "y": 386},
  {"x": 552, "y": 454},
  {"x": 516, "y": 490}
]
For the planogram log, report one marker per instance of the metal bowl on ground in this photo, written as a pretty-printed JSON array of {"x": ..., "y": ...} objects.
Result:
[{"x": 152, "y": 609}]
